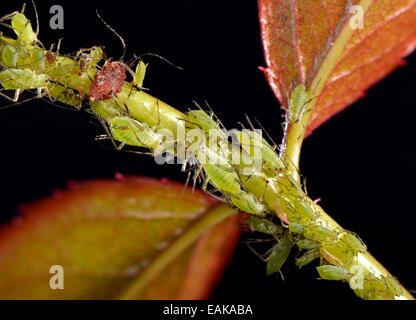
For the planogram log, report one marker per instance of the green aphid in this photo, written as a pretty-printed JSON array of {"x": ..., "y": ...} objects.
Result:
[
  {"x": 330, "y": 272},
  {"x": 296, "y": 228},
  {"x": 320, "y": 233},
  {"x": 219, "y": 172},
  {"x": 105, "y": 108},
  {"x": 22, "y": 27},
  {"x": 353, "y": 241},
  {"x": 65, "y": 95},
  {"x": 9, "y": 56},
  {"x": 278, "y": 256},
  {"x": 95, "y": 56},
  {"x": 224, "y": 180},
  {"x": 133, "y": 132},
  {"x": 393, "y": 285},
  {"x": 39, "y": 59},
  {"x": 204, "y": 120},
  {"x": 12, "y": 79},
  {"x": 248, "y": 203},
  {"x": 298, "y": 101},
  {"x": 307, "y": 258},
  {"x": 307, "y": 244},
  {"x": 139, "y": 74},
  {"x": 251, "y": 142},
  {"x": 262, "y": 225}
]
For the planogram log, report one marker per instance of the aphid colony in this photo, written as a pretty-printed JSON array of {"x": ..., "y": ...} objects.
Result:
[
  {"x": 258, "y": 183},
  {"x": 26, "y": 65}
]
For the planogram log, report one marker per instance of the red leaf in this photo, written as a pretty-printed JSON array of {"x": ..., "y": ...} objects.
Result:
[
  {"x": 106, "y": 234},
  {"x": 300, "y": 36}
]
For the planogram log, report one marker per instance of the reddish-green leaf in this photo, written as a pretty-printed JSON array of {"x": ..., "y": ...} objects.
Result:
[
  {"x": 107, "y": 234},
  {"x": 306, "y": 41}
]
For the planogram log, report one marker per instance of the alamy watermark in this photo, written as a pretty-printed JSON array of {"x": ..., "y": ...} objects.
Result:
[
  {"x": 56, "y": 282},
  {"x": 357, "y": 20},
  {"x": 220, "y": 147},
  {"x": 57, "y": 20}
]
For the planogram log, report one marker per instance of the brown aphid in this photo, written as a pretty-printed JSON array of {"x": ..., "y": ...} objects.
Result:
[
  {"x": 50, "y": 57},
  {"x": 108, "y": 81}
]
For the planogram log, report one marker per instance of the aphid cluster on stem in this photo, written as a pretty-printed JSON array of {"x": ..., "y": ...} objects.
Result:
[{"x": 259, "y": 183}]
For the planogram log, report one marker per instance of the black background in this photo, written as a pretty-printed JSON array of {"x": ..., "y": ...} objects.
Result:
[{"x": 361, "y": 162}]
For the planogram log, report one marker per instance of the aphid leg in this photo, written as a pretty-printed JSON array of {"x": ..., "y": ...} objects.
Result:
[
  {"x": 255, "y": 252},
  {"x": 275, "y": 147},
  {"x": 212, "y": 194},
  {"x": 187, "y": 182},
  {"x": 198, "y": 173},
  {"x": 16, "y": 95},
  {"x": 107, "y": 131},
  {"x": 125, "y": 110}
]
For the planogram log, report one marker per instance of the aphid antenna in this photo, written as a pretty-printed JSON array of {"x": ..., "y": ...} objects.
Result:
[
  {"x": 139, "y": 58},
  {"x": 36, "y": 16},
  {"x": 115, "y": 32},
  {"x": 215, "y": 115},
  {"x": 275, "y": 147},
  {"x": 189, "y": 121}
]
